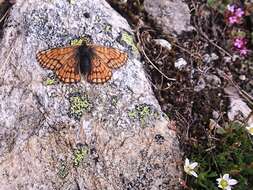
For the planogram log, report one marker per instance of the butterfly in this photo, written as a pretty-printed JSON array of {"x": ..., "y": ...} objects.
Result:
[{"x": 94, "y": 61}]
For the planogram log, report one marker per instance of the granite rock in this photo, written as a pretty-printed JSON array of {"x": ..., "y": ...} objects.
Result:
[{"x": 78, "y": 136}]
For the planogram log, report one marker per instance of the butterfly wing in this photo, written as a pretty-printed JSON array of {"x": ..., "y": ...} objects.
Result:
[
  {"x": 63, "y": 60},
  {"x": 112, "y": 57},
  {"x": 100, "y": 72}
]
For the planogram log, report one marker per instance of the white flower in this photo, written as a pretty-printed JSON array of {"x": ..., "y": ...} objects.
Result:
[
  {"x": 231, "y": 8},
  {"x": 225, "y": 182},
  {"x": 250, "y": 129},
  {"x": 189, "y": 168}
]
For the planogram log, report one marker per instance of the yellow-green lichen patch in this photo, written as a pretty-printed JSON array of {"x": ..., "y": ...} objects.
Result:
[
  {"x": 143, "y": 110},
  {"x": 143, "y": 113},
  {"x": 80, "y": 41},
  {"x": 129, "y": 41},
  {"x": 49, "y": 80},
  {"x": 133, "y": 114},
  {"x": 79, "y": 103},
  {"x": 63, "y": 170},
  {"x": 79, "y": 155}
]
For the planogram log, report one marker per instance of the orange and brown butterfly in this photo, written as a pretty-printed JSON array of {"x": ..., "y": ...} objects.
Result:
[{"x": 94, "y": 61}]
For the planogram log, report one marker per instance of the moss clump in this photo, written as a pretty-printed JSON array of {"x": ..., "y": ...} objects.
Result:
[
  {"x": 79, "y": 155},
  {"x": 78, "y": 105}
]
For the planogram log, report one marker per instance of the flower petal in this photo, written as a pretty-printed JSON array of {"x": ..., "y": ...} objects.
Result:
[
  {"x": 226, "y": 177},
  {"x": 194, "y": 173},
  {"x": 187, "y": 162},
  {"x": 218, "y": 180},
  {"x": 220, "y": 186},
  {"x": 232, "y": 182},
  {"x": 194, "y": 164}
]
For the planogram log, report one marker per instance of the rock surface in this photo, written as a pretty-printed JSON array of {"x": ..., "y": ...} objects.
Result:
[
  {"x": 173, "y": 16},
  {"x": 78, "y": 136}
]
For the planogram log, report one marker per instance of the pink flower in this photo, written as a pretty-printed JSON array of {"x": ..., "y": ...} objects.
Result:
[
  {"x": 239, "y": 12},
  {"x": 243, "y": 51},
  {"x": 234, "y": 14},
  {"x": 233, "y": 20},
  {"x": 239, "y": 43}
]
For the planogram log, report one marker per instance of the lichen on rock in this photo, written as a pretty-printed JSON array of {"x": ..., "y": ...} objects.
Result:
[
  {"x": 79, "y": 103},
  {"x": 44, "y": 120}
]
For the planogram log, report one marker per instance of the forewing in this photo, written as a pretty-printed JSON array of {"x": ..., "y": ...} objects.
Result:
[
  {"x": 63, "y": 60},
  {"x": 100, "y": 72},
  {"x": 112, "y": 57}
]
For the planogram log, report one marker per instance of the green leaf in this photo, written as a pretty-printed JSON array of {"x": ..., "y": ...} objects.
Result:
[{"x": 221, "y": 131}]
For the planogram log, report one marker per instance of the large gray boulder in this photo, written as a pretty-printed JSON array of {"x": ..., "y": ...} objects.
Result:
[
  {"x": 78, "y": 136},
  {"x": 173, "y": 16}
]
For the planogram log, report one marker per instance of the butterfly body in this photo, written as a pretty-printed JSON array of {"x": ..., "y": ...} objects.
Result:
[
  {"x": 85, "y": 55},
  {"x": 94, "y": 61}
]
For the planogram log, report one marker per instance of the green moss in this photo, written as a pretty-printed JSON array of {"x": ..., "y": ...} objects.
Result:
[
  {"x": 78, "y": 105},
  {"x": 128, "y": 39},
  {"x": 79, "y": 155}
]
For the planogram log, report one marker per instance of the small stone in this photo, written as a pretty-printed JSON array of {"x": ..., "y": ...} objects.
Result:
[
  {"x": 214, "y": 56},
  {"x": 235, "y": 57},
  {"x": 200, "y": 86},
  {"x": 242, "y": 77},
  {"x": 215, "y": 114},
  {"x": 180, "y": 63},
  {"x": 227, "y": 59},
  {"x": 213, "y": 80},
  {"x": 206, "y": 58},
  {"x": 163, "y": 43}
]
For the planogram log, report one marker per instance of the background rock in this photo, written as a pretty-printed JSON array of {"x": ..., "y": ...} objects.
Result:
[
  {"x": 172, "y": 16},
  {"x": 78, "y": 136}
]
